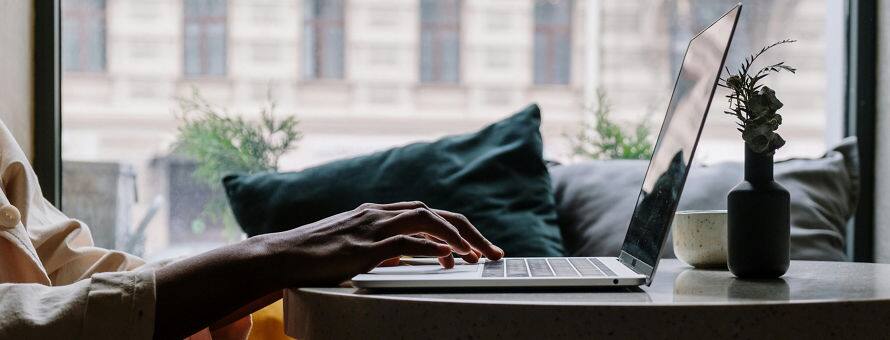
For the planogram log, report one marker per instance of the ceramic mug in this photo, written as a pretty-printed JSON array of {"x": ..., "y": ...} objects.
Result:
[{"x": 700, "y": 237}]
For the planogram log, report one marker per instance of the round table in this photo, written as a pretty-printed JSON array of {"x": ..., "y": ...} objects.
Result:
[{"x": 822, "y": 299}]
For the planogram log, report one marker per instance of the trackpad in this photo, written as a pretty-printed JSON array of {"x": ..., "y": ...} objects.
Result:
[{"x": 425, "y": 272}]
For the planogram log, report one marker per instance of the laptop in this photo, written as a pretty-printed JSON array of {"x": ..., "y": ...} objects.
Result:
[{"x": 653, "y": 213}]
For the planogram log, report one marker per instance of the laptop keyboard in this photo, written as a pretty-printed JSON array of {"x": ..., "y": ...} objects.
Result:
[{"x": 549, "y": 267}]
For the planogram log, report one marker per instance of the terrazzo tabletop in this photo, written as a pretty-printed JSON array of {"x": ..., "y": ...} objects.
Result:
[{"x": 822, "y": 299}]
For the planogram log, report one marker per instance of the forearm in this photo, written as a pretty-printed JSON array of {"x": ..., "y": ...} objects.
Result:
[{"x": 195, "y": 292}]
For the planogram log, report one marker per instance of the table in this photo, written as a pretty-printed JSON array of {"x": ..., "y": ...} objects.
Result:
[{"x": 821, "y": 299}]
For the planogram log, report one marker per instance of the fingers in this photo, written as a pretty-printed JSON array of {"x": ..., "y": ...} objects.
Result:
[
  {"x": 472, "y": 257},
  {"x": 410, "y": 246},
  {"x": 447, "y": 261},
  {"x": 390, "y": 262},
  {"x": 471, "y": 234},
  {"x": 395, "y": 206},
  {"x": 464, "y": 228},
  {"x": 425, "y": 221}
]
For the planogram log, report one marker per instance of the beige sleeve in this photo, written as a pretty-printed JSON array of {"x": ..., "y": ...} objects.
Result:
[
  {"x": 118, "y": 305},
  {"x": 64, "y": 245},
  {"x": 66, "y": 250}
]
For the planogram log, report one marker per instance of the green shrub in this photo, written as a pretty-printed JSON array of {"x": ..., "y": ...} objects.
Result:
[
  {"x": 602, "y": 138},
  {"x": 222, "y": 144}
]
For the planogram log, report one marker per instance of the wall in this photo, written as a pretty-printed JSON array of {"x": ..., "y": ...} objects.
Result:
[
  {"x": 882, "y": 152},
  {"x": 16, "y": 33}
]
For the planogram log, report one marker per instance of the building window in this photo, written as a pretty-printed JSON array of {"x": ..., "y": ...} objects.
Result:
[
  {"x": 553, "y": 41},
  {"x": 323, "y": 37},
  {"x": 440, "y": 41},
  {"x": 205, "y": 37},
  {"x": 83, "y": 35}
]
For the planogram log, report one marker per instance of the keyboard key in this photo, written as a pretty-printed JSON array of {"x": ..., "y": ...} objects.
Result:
[
  {"x": 493, "y": 269},
  {"x": 516, "y": 268},
  {"x": 562, "y": 268},
  {"x": 539, "y": 268},
  {"x": 584, "y": 267},
  {"x": 602, "y": 266}
]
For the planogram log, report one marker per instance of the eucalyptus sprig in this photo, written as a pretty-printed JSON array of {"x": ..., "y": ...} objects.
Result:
[{"x": 755, "y": 105}]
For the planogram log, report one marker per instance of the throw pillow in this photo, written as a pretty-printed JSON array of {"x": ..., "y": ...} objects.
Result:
[
  {"x": 496, "y": 177},
  {"x": 595, "y": 200}
]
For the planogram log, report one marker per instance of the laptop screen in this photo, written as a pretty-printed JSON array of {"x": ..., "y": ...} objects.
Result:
[{"x": 676, "y": 144}]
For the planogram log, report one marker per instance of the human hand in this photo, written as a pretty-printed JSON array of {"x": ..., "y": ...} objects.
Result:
[{"x": 341, "y": 246}]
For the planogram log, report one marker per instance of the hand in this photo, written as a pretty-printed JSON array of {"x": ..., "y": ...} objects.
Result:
[
  {"x": 218, "y": 286},
  {"x": 341, "y": 246}
]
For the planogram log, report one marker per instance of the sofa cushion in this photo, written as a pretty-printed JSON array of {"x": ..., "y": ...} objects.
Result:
[
  {"x": 595, "y": 200},
  {"x": 496, "y": 177}
]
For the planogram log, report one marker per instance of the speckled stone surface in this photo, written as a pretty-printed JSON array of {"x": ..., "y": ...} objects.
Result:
[
  {"x": 699, "y": 238},
  {"x": 814, "y": 299}
]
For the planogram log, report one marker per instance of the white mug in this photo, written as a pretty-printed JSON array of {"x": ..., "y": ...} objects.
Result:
[{"x": 700, "y": 237}]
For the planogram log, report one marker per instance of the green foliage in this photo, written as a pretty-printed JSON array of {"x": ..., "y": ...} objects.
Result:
[
  {"x": 605, "y": 139},
  {"x": 222, "y": 144},
  {"x": 755, "y": 105}
]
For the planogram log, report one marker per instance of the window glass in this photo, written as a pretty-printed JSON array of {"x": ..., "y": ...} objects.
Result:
[
  {"x": 83, "y": 40},
  {"x": 323, "y": 39},
  {"x": 205, "y": 37},
  {"x": 439, "y": 41},
  {"x": 553, "y": 39},
  {"x": 127, "y": 174}
]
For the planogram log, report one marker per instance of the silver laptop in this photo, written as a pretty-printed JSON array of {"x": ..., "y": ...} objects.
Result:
[{"x": 655, "y": 206}]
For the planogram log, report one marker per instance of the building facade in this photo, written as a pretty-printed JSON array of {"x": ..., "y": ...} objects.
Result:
[{"x": 362, "y": 75}]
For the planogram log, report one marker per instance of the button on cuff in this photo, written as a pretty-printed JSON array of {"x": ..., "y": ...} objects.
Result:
[{"x": 9, "y": 217}]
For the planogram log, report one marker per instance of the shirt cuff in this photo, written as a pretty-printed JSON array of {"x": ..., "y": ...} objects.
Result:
[{"x": 121, "y": 305}]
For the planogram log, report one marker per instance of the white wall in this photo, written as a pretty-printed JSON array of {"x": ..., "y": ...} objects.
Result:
[
  {"x": 16, "y": 32},
  {"x": 882, "y": 152}
]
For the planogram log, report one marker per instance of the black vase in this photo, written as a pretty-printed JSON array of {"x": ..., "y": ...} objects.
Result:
[{"x": 758, "y": 222}]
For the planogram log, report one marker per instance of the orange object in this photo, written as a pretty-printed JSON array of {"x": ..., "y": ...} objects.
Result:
[{"x": 268, "y": 323}]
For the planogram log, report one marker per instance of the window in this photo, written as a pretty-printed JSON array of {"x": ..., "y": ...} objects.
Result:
[
  {"x": 118, "y": 136},
  {"x": 553, "y": 41},
  {"x": 83, "y": 40},
  {"x": 688, "y": 17},
  {"x": 205, "y": 37},
  {"x": 440, "y": 41},
  {"x": 323, "y": 36}
]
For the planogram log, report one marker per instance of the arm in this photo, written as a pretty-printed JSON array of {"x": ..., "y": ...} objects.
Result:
[
  {"x": 194, "y": 292},
  {"x": 198, "y": 291}
]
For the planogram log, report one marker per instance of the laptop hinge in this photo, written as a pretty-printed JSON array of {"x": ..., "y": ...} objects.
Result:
[{"x": 635, "y": 264}]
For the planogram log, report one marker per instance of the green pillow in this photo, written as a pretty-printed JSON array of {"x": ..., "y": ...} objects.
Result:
[{"x": 496, "y": 177}]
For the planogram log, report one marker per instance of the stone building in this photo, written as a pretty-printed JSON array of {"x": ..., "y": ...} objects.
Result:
[{"x": 362, "y": 75}]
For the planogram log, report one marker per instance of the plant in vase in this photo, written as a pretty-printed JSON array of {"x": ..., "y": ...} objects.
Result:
[{"x": 758, "y": 214}]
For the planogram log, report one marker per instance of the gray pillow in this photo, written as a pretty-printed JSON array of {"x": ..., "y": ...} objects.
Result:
[{"x": 595, "y": 200}]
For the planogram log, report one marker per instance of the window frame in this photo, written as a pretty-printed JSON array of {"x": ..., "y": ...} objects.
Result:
[
  {"x": 861, "y": 82},
  {"x": 47, "y": 158}
]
